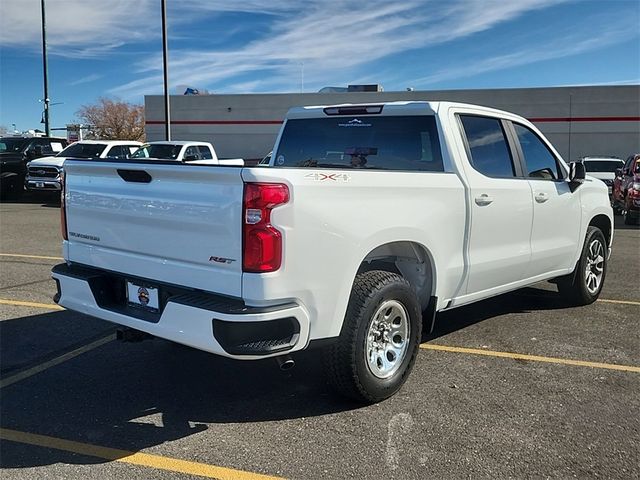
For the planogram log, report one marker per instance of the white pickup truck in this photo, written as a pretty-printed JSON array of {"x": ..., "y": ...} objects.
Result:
[
  {"x": 43, "y": 174},
  {"x": 368, "y": 220},
  {"x": 201, "y": 153}
]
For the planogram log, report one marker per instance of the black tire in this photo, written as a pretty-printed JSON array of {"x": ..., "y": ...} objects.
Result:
[
  {"x": 628, "y": 219},
  {"x": 578, "y": 287},
  {"x": 11, "y": 187},
  {"x": 346, "y": 360}
]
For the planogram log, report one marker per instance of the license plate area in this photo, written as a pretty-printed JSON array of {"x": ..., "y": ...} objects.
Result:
[
  {"x": 39, "y": 184},
  {"x": 141, "y": 296}
]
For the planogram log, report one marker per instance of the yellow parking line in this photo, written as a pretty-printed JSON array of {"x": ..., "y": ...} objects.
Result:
[
  {"x": 623, "y": 302},
  {"x": 39, "y": 257},
  {"x": 30, "y": 372},
  {"x": 532, "y": 358},
  {"x": 133, "y": 458},
  {"x": 20, "y": 303}
]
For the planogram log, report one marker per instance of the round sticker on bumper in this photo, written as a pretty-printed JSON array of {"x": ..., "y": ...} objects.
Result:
[{"x": 143, "y": 296}]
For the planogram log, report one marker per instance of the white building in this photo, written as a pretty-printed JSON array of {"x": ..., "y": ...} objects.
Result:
[{"x": 580, "y": 121}]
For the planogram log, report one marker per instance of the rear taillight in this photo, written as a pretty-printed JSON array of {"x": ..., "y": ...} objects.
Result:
[
  {"x": 63, "y": 207},
  {"x": 262, "y": 242}
]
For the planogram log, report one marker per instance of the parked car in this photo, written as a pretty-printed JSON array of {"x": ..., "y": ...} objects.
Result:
[
  {"x": 201, "y": 153},
  {"x": 44, "y": 174},
  {"x": 603, "y": 168},
  {"x": 626, "y": 190},
  {"x": 370, "y": 215},
  {"x": 15, "y": 153}
]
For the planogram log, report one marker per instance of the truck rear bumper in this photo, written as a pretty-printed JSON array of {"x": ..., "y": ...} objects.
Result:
[{"x": 220, "y": 325}]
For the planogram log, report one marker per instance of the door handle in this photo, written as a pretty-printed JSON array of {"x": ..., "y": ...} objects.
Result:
[
  {"x": 542, "y": 197},
  {"x": 483, "y": 200}
]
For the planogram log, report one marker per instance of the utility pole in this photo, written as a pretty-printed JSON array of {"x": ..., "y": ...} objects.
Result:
[
  {"x": 167, "y": 113},
  {"x": 45, "y": 73}
]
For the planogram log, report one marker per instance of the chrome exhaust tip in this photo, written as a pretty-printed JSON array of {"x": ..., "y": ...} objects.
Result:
[{"x": 285, "y": 362}]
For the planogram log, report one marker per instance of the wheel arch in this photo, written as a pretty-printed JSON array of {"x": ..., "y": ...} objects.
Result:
[
  {"x": 411, "y": 260},
  {"x": 603, "y": 222}
]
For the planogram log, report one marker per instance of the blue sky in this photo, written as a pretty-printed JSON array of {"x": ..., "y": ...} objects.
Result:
[{"x": 112, "y": 48}]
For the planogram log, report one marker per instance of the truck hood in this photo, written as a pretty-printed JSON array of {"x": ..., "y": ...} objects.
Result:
[{"x": 47, "y": 162}]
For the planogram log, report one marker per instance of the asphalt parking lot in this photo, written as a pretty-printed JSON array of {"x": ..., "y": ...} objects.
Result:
[{"x": 519, "y": 386}]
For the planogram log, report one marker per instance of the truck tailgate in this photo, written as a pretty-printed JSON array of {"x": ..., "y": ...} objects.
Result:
[{"x": 172, "y": 223}]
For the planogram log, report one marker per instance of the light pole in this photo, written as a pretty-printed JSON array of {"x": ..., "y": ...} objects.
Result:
[
  {"x": 45, "y": 116},
  {"x": 165, "y": 65}
]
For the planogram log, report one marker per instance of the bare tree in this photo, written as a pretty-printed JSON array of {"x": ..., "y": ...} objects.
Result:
[{"x": 114, "y": 120}]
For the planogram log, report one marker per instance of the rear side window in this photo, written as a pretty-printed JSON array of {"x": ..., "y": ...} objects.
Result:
[
  {"x": 490, "y": 154},
  {"x": 540, "y": 162},
  {"x": 386, "y": 143},
  {"x": 205, "y": 152}
]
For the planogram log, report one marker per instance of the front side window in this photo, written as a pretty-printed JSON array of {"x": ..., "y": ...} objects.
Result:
[
  {"x": 490, "y": 154},
  {"x": 115, "y": 152},
  {"x": 405, "y": 143},
  {"x": 540, "y": 162},
  {"x": 191, "y": 153},
  {"x": 161, "y": 151}
]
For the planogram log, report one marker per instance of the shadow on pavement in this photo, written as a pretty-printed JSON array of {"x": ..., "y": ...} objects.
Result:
[
  {"x": 30, "y": 198},
  {"x": 135, "y": 396}
]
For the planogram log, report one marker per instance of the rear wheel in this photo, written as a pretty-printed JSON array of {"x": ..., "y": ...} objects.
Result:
[
  {"x": 379, "y": 341},
  {"x": 628, "y": 219},
  {"x": 585, "y": 285}
]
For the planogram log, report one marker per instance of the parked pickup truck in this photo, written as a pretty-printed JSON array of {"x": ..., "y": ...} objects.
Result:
[
  {"x": 15, "y": 153},
  {"x": 201, "y": 153},
  {"x": 43, "y": 175},
  {"x": 368, "y": 221}
]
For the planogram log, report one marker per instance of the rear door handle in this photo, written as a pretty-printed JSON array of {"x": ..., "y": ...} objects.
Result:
[
  {"x": 483, "y": 200},
  {"x": 542, "y": 197}
]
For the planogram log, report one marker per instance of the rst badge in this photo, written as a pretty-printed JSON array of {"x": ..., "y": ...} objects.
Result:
[{"x": 221, "y": 260}]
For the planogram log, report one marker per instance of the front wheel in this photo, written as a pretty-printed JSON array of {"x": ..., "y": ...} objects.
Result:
[
  {"x": 585, "y": 285},
  {"x": 379, "y": 340},
  {"x": 11, "y": 187}
]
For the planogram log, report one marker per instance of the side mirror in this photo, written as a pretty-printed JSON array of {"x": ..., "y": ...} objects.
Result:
[
  {"x": 577, "y": 175},
  {"x": 190, "y": 158}
]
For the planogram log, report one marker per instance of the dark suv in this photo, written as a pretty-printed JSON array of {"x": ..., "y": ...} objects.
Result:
[{"x": 15, "y": 152}]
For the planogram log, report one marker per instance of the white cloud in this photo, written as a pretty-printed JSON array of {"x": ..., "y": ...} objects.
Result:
[
  {"x": 337, "y": 41},
  {"x": 332, "y": 39},
  {"x": 566, "y": 46},
  {"x": 92, "y": 77},
  {"x": 75, "y": 28}
]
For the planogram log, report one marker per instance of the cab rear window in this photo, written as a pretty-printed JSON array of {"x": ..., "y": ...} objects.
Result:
[{"x": 404, "y": 143}]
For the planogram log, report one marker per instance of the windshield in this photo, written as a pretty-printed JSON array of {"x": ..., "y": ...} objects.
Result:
[
  {"x": 388, "y": 143},
  {"x": 83, "y": 150},
  {"x": 163, "y": 151},
  {"x": 602, "y": 165},
  {"x": 9, "y": 144}
]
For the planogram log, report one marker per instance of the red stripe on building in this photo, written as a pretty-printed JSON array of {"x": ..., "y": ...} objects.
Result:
[
  {"x": 216, "y": 122},
  {"x": 584, "y": 119},
  {"x": 278, "y": 122}
]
